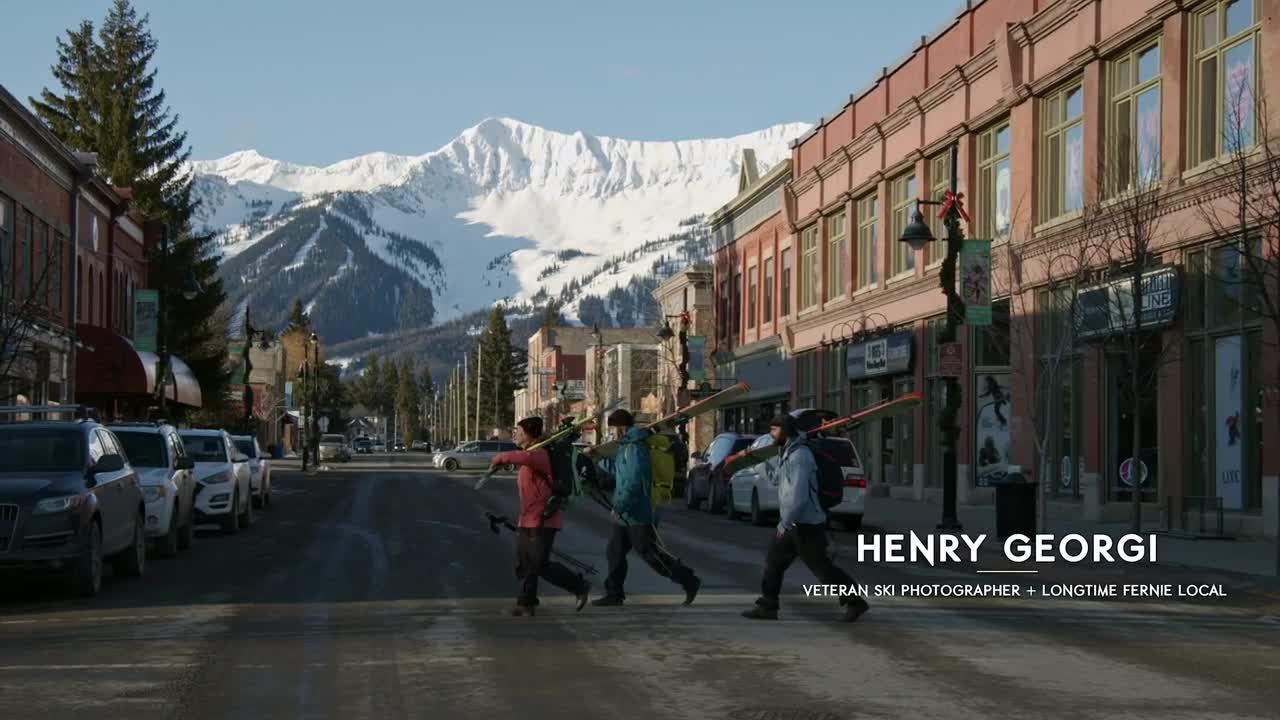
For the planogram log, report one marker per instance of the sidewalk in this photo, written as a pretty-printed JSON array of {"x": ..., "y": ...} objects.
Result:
[{"x": 1251, "y": 557}]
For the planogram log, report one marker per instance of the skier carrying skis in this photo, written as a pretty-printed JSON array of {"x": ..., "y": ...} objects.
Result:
[
  {"x": 633, "y": 516},
  {"x": 802, "y": 527},
  {"x": 536, "y": 534}
]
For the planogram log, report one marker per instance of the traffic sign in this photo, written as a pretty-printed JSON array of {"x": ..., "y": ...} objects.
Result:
[{"x": 950, "y": 360}]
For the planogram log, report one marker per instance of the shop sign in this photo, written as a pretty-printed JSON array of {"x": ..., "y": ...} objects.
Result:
[
  {"x": 888, "y": 355},
  {"x": 1108, "y": 310},
  {"x": 950, "y": 360}
]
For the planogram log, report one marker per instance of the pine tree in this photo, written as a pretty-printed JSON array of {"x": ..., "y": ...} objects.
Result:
[
  {"x": 496, "y": 401},
  {"x": 298, "y": 318},
  {"x": 407, "y": 402},
  {"x": 109, "y": 104}
]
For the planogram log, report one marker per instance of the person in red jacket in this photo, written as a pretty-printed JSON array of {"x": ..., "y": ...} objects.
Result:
[{"x": 536, "y": 534}]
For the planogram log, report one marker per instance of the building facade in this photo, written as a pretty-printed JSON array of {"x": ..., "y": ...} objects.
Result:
[
  {"x": 692, "y": 293},
  {"x": 754, "y": 271},
  {"x": 558, "y": 366},
  {"x": 1057, "y": 110}
]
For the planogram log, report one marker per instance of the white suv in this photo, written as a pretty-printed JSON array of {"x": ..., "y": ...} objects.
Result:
[
  {"x": 259, "y": 469},
  {"x": 223, "y": 492},
  {"x": 168, "y": 488},
  {"x": 754, "y": 490}
]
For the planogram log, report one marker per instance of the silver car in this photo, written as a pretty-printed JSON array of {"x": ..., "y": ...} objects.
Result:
[
  {"x": 474, "y": 455},
  {"x": 334, "y": 447}
]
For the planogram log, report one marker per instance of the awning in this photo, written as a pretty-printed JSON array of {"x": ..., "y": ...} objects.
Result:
[{"x": 108, "y": 364}]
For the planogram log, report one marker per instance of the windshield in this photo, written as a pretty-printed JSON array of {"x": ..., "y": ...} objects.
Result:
[
  {"x": 247, "y": 448},
  {"x": 41, "y": 450},
  {"x": 144, "y": 449},
  {"x": 205, "y": 448}
]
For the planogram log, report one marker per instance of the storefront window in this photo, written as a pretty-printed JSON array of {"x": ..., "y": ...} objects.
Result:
[
  {"x": 1121, "y": 420},
  {"x": 867, "y": 435},
  {"x": 836, "y": 379},
  {"x": 902, "y": 462},
  {"x": 993, "y": 340},
  {"x": 806, "y": 376}
]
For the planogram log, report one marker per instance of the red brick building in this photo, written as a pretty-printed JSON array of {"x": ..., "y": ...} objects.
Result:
[
  {"x": 73, "y": 257},
  {"x": 1033, "y": 93}
]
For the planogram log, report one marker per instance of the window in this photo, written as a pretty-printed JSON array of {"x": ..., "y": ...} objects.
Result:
[
  {"x": 1134, "y": 116},
  {"x": 835, "y": 255},
  {"x": 993, "y": 206},
  {"x": 735, "y": 312},
  {"x": 1062, "y": 179},
  {"x": 836, "y": 379},
  {"x": 1223, "y": 73},
  {"x": 753, "y": 288},
  {"x": 940, "y": 179},
  {"x": 806, "y": 377},
  {"x": 868, "y": 241},
  {"x": 993, "y": 339},
  {"x": 23, "y": 263},
  {"x": 786, "y": 283},
  {"x": 55, "y": 272},
  {"x": 768, "y": 291},
  {"x": 724, "y": 309},
  {"x": 809, "y": 267},
  {"x": 904, "y": 201},
  {"x": 6, "y": 244}
]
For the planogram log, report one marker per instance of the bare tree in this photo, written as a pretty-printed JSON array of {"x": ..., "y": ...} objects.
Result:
[{"x": 24, "y": 313}]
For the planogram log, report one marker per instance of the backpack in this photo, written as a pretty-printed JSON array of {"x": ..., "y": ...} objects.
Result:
[
  {"x": 662, "y": 468},
  {"x": 564, "y": 475},
  {"x": 830, "y": 480}
]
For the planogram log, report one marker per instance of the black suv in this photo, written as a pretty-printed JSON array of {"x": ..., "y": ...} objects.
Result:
[
  {"x": 68, "y": 499},
  {"x": 707, "y": 479}
]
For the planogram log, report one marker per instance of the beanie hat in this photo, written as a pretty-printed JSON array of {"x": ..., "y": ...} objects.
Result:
[
  {"x": 621, "y": 418},
  {"x": 532, "y": 426}
]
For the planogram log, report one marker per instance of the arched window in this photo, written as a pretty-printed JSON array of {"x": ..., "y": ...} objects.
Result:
[
  {"x": 79, "y": 290},
  {"x": 89, "y": 316}
]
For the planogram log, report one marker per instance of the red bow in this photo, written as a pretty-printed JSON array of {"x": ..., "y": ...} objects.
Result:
[{"x": 956, "y": 199}]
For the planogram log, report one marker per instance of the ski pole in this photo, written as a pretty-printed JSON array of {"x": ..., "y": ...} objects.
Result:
[{"x": 496, "y": 520}]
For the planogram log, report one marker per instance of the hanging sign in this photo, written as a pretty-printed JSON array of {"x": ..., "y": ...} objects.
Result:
[
  {"x": 146, "y": 314},
  {"x": 974, "y": 279}
]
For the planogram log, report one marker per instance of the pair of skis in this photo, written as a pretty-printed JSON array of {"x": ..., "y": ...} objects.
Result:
[
  {"x": 565, "y": 431},
  {"x": 679, "y": 417},
  {"x": 750, "y": 458}
]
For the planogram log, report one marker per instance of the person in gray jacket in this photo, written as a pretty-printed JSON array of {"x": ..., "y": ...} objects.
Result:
[{"x": 802, "y": 528}]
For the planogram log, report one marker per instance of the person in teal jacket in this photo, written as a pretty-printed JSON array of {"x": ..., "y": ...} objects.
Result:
[{"x": 633, "y": 516}]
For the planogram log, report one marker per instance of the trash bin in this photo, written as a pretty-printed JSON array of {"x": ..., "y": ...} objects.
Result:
[{"x": 1015, "y": 505}]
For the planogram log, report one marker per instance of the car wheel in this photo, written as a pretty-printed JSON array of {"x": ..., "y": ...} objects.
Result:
[
  {"x": 86, "y": 578},
  {"x": 247, "y": 520},
  {"x": 757, "y": 515},
  {"x": 133, "y": 561},
  {"x": 715, "y": 503},
  {"x": 231, "y": 523},
  {"x": 450, "y": 464},
  {"x": 167, "y": 546},
  {"x": 260, "y": 499}
]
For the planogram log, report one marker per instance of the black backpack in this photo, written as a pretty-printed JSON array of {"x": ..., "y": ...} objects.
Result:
[
  {"x": 563, "y": 474},
  {"x": 830, "y": 475}
]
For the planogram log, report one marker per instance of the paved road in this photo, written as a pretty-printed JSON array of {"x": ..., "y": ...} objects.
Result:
[{"x": 374, "y": 590}]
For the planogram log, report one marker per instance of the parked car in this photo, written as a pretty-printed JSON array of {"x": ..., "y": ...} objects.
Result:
[
  {"x": 421, "y": 446},
  {"x": 259, "y": 469},
  {"x": 164, "y": 470},
  {"x": 363, "y": 446},
  {"x": 473, "y": 455},
  {"x": 223, "y": 491},
  {"x": 399, "y": 447},
  {"x": 334, "y": 447},
  {"x": 68, "y": 500},
  {"x": 706, "y": 477},
  {"x": 755, "y": 489}
]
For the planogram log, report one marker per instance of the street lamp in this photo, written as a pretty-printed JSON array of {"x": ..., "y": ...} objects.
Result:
[{"x": 917, "y": 235}]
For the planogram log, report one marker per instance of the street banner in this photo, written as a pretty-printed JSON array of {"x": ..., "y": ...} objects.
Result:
[
  {"x": 1229, "y": 450},
  {"x": 146, "y": 314},
  {"x": 974, "y": 276},
  {"x": 697, "y": 358},
  {"x": 995, "y": 406}
]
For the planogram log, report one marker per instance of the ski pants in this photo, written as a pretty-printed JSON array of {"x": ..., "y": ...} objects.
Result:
[
  {"x": 642, "y": 539},
  {"x": 809, "y": 543},
  {"x": 533, "y": 561}
]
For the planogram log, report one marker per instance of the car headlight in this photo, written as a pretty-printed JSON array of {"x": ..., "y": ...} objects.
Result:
[
  {"x": 153, "y": 492},
  {"x": 67, "y": 503},
  {"x": 216, "y": 478}
]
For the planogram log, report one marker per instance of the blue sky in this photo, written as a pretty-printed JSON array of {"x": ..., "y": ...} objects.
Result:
[{"x": 317, "y": 81}]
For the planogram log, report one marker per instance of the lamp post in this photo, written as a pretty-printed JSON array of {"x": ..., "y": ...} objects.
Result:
[
  {"x": 314, "y": 440},
  {"x": 190, "y": 288},
  {"x": 917, "y": 234},
  {"x": 247, "y": 397}
]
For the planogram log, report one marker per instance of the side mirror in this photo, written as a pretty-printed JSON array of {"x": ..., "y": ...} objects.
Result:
[
  {"x": 240, "y": 458},
  {"x": 107, "y": 464},
  {"x": 185, "y": 463}
]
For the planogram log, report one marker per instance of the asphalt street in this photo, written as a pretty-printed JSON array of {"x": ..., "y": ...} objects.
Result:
[{"x": 375, "y": 590}]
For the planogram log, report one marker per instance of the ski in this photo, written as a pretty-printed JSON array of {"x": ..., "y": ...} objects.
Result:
[
  {"x": 564, "y": 431},
  {"x": 749, "y": 458},
  {"x": 679, "y": 417}
]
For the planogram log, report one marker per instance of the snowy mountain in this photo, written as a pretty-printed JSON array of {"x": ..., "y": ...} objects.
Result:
[{"x": 507, "y": 211}]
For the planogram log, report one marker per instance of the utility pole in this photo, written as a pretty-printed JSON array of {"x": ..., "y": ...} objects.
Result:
[
  {"x": 466, "y": 395},
  {"x": 479, "y": 374}
]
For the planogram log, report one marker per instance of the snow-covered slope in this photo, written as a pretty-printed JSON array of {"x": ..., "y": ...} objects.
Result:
[{"x": 496, "y": 206}]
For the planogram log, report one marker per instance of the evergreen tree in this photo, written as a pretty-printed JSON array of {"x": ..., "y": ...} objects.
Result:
[
  {"x": 109, "y": 104},
  {"x": 496, "y": 400},
  {"x": 298, "y": 318},
  {"x": 407, "y": 402}
]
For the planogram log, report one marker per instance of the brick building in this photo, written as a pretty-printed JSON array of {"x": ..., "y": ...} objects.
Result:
[{"x": 1035, "y": 95}]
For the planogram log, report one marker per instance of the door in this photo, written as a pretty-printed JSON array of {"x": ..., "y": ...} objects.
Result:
[
  {"x": 183, "y": 479},
  {"x": 903, "y": 436},
  {"x": 1120, "y": 425},
  {"x": 111, "y": 489}
]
